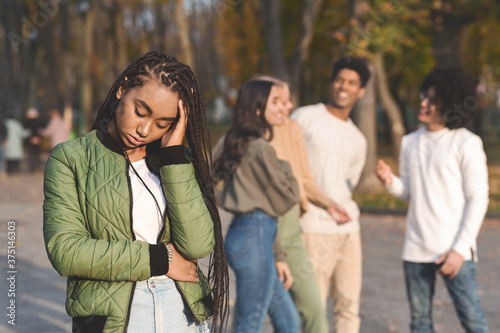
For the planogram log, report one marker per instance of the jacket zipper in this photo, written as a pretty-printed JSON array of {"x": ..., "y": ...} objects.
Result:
[
  {"x": 133, "y": 238},
  {"x": 160, "y": 235},
  {"x": 164, "y": 217},
  {"x": 158, "y": 239}
]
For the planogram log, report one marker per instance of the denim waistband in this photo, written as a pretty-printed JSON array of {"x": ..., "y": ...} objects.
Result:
[
  {"x": 158, "y": 284},
  {"x": 253, "y": 214}
]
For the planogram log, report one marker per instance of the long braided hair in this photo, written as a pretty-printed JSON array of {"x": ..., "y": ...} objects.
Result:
[{"x": 178, "y": 77}]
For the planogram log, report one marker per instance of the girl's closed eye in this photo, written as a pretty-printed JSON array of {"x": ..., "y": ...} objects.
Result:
[
  {"x": 138, "y": 113},
  {"x": 161, "y": 126}
]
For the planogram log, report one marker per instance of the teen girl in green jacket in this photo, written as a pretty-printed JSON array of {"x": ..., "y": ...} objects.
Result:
[{"x": 128, "y": 209}]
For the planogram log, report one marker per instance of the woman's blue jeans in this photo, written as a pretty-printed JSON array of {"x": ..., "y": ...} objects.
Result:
[
  {"x": 157, "y": 306},
  {"x": 249, "y": 250},
  {"x": 420, "y": 282}
]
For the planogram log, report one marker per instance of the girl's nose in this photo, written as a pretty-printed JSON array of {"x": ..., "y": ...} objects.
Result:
[{"x": 143, "y": 129}]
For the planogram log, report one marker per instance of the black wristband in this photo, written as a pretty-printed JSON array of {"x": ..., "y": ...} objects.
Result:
[
  {"x": 173, "y": 155},
  {"x": 158, "y": 259}
]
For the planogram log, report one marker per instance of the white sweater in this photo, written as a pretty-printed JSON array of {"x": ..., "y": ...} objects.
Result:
[
  {"x": 443, "y": 174},
  {"x": 337, "y": 155}
]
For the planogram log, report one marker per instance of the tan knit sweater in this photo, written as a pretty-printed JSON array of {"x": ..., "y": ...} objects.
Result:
[{"x": 288, "y": 142}]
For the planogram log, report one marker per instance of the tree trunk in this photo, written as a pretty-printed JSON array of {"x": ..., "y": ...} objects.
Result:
[
  {"x": 366, "y": 120},
  {"x": 119, "y": 38},
  {"x": 365, "y": 115},
  {"x": 270, "y": 10},
  {"x": 183, "y": 25},
  {"x": 14, "y": 73},
  {"x": 48, "y": 63},
  {"x": 301, "y": 53},
  {"x": 86, "y": 113},
  {"x": 161, "y": 20},
  {"x": 391, "y": 108},
  {"x": 3, "y": 62},
  {"x": 64, "y": 87},
  {"x": 447, "y": 31}
]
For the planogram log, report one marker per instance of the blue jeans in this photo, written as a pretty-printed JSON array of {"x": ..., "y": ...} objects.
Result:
[
  {"x": 420, "y": 281},
  {"x": 249, "y": 250},
  {"x": 157, "y": 306}
]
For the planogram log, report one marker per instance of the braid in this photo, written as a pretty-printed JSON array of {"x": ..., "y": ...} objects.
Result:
[{"x": 179, "y": 78}]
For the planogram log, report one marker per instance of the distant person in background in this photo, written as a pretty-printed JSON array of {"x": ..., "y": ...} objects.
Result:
[
  {"x": 257, "y": 189},
  {"x": 14, "y": 151},
  {"x": 34, "y": 141},
  {"x": 337, "y": 152},
  {"x": 443, "y": 174},
  {"x": 56, "y": 129},
  {"x": 288, "y": 142},
  {"x": 3, "y": 137}
]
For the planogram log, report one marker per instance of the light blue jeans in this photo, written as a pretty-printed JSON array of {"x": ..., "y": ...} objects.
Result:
[
  {"x": 157, "y": 306},
  {"x": 249, "y": 250},
  {"x": 420, "y": 282}
]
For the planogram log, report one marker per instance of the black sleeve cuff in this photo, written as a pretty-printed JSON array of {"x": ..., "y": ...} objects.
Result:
[
  {"x": 173, "y": 155},
  {"x": 158, "y": 259}
]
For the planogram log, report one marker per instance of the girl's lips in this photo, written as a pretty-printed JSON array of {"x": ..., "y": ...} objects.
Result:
[{"x": 133, "y": 140}]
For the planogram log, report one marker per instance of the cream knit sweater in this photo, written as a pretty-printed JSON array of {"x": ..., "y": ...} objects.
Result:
[
  {"x": 337, "y": 154},
  {"x": 443, "y": 175}
]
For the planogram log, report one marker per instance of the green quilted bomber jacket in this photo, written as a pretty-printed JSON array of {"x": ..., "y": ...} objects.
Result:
[{"x": 87, "y": 227}]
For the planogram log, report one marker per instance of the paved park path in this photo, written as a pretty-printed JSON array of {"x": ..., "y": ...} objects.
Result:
[{"x": 40, "y": 291}]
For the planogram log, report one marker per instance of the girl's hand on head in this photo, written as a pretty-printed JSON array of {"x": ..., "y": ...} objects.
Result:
[
  {"x": 175, "y": 135},
  {"x": 181, "y": 269}
]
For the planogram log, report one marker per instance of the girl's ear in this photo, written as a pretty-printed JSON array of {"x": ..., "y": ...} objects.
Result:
[
  {"x": 121, "y": 90},
  {"x": 258, "y": 112}
]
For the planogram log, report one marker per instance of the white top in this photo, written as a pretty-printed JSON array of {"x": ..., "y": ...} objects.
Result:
[
  {"x": 443, "y": 174},
  {"x": 337, "y": 155},
  {"x": 15, "y": 134},
  {"x": 148, "y": 222}
]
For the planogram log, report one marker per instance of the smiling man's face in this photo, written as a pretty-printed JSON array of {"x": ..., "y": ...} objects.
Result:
[{"x": 346, "y": 89}]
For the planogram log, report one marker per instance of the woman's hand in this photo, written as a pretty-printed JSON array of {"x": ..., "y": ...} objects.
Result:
[
  {"x": 175, "y": 135},
  {"x": 181, "y": 269},
  {"x": 338, "y": 213},
  {"x": 384, "y": 172},
  {"x": 284, "y": 274}
]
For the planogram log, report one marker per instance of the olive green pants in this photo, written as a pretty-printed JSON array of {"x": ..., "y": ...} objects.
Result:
[{"x": 304, "y": 291}]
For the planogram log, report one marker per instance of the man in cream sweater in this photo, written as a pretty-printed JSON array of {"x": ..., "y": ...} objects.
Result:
[
  {"x": 337, "y": 152},
  {"x": 443, "y": 174}
]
